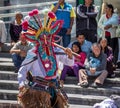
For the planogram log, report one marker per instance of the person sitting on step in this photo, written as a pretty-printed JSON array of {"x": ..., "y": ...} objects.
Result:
[
  {"x": 78, "y": 62},
  {"x": 108, "y": 51},
  {"x": 95, "y": 66},
  {"x": 19, "y": 51}
]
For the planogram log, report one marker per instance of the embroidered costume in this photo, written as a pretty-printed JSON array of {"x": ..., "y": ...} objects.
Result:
[{"x": 42, "y": 89}]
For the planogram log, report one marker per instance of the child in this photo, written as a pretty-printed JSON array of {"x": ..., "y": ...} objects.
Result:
[{"x": 79, "y": 62}]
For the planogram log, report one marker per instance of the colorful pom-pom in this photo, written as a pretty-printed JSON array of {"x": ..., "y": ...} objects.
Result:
[
  {"x": 51, "y": 15},
  {"x": 25, "y": 25},
  {"x": 31, "y": 13},
  {"x": 35, "y": 11}
]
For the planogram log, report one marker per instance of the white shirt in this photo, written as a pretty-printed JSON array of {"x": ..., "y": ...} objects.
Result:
[
  {"x": 3, "y": 32},
  {"x": 36, "y": 68}
]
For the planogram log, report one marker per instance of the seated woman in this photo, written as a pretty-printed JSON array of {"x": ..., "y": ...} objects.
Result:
[
  {"x": 78, "y": 64},
  {"x": 108, "y": 51},
  {"x": 95, "y": 66}
]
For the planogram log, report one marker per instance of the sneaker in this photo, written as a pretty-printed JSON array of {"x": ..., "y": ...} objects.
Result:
[
  {"x": 96, "y": 85},
  {"x": 84, "y": 84},
  {"x": 111, "y": 75}
]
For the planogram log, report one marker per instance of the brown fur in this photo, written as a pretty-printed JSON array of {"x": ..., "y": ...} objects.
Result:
[
  {"x": 40, "y": 99},
  {"x": 34, "y": 99},
  {"x": 61, "y": 102}
]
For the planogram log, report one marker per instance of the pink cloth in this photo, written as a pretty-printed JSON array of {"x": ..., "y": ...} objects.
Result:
[{"x": 80, "y": 60}]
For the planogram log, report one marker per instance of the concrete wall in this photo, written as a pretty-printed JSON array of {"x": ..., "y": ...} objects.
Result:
[
  {"x": 115, "y": 3},
  {"x": 1, "y": 2}
]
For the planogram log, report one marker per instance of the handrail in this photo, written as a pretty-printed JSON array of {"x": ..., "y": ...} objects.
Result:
[
  {"x": 30, "y": 5},
  {"x": 4, "y": 15},
  {"x": 25, "y": 5}
]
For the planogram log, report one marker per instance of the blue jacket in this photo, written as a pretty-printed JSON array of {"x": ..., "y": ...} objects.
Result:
[{"x": 64, "y": 14}]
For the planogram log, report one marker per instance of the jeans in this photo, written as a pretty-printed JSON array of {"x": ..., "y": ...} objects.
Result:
[
  {"x": 17, "y": 60},
  {"x": 65, "y": 38}
]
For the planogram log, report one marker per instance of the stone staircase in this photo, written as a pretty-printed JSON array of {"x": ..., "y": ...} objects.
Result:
[{"x": 78, "y": 97}]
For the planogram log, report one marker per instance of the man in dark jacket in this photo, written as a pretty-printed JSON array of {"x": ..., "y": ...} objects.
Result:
[{"x": 86, "y": 21}]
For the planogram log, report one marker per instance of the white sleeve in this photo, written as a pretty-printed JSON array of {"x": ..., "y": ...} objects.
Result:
[
  {"x": 81, "y": 14},
  {"x": 22, "y": 73},
  {"x": 4, "y": 33},
  {"x": 101, "y": 22},
  {"x": 65, "y": 60}
]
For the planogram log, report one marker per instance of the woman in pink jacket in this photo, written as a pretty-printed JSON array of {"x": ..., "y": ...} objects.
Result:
[{"x": 78, "y": 62}]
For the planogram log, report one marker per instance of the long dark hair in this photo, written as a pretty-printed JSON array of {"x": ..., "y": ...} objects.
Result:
[
  {"x": 78, "y": 45},
  {"x": 110, "y": 6},
  {"x": 106, "y": 48}
]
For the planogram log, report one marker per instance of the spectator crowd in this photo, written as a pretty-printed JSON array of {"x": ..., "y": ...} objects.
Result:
[
  {"x": 97, "y": 43},
  {"x": 99, "y": 53}
]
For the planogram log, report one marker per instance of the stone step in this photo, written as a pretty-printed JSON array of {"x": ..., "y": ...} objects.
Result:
[
  {"x": 8, "y": 94},
  {"x": 106, "y": 91},
  {"x": 6, "y": 47},
  {"x": 5, "y": 60},
  {"x": 14, "y": 104},
  {"x": 5, "y": 66},
  {"x": 108, "y": 82},
  {"x": 69, "y": 88},
  {"x": 9, "y": 104},
  {"x": 6, "y": 63},
  {"x": 79, "y": 106},
  {"x": 5, "y": 55},
  {"x": 81, "y": 99},
  {"x": 8, "y": 75},
  {"x": 8, "y": 85}
]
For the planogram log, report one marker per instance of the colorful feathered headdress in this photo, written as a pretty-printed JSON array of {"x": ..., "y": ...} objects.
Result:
[
  {"x": 35, "y": 28},
  {"x": 42, "y": 33}
]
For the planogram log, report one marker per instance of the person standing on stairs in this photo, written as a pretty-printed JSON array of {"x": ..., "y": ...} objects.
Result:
[
  {"x": 16, "y": 28},
  {"x": 64, "y": 11},
  {"x": 3, "y": 33},
  {"x": 86, "y": 20}
]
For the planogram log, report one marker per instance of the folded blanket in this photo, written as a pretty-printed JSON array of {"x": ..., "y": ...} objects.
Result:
[
  {"x": 113, "y": 20},
  {"x": 107, "y": 103}
]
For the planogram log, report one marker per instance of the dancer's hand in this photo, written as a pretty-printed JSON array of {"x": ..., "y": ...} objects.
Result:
[{"x": 68, "y": 51}]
